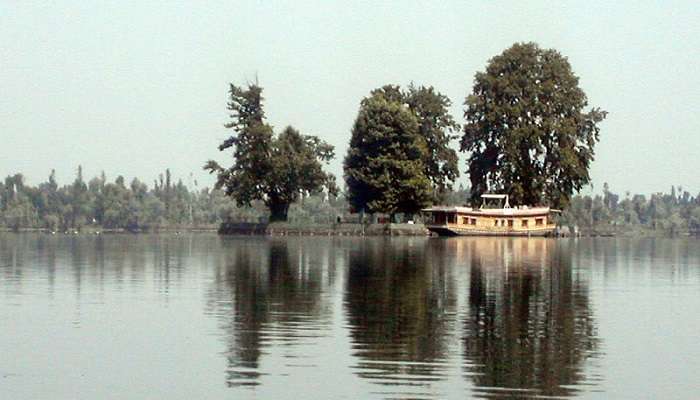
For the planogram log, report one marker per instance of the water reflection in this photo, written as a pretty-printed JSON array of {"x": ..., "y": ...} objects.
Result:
[
  {"x": 401, "y": 308},
  {"x": 530, "y": 327},
  {"x": 269, "y": 293},
  {"x": 350, "y": 317}
]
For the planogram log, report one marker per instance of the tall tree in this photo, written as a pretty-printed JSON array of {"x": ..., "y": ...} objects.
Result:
[
  {"x": 275, "y": 170},
  {"x": 385, "y": 164},
  {"x": 96, "y": 187},
  {"x": 437, "y": 127},
  {"x": 527, "y": 133},
  {"x": 51, "y": 202},
  {"x": 79, "y": 201}
]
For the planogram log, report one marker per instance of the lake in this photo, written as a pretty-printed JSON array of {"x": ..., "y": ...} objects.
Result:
[{"x": 207, "y": 317}]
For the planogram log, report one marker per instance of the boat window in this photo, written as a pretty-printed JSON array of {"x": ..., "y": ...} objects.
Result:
[
  {"x": 538, "y": 221},
  {"x": 524, "y": 224},
  {"x": 465, "y": 220},
  {"x": 495, "y": 222},
  {"x": 510, "y": 223},
  {"x": 473, "y": 221}
]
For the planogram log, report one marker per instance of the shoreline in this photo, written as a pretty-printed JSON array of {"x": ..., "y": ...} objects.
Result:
[
  {"x": 341, "y": 229},
  {"x": 335, "y": 229}
]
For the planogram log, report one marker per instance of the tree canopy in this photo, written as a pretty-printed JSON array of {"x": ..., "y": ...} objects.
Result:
[
  {"x": 437, "y": 127},
  {"x": 526, "y": 131},
  {"x": 274, "y": 169},
  {"x": 385, "y": 164}
]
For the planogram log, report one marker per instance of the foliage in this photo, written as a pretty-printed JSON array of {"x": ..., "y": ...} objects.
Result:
[
  {"x": 660, "y": 214},
  {"x": 527, "y": 133},
  {"x": 296, "y": 169},
  {"x": 437, "y": 127},
  {"x": 276, "y": 170},
  {"x": 138, "y": 207},
  {"x": 105, "y": 205},
  {"x": 384, "y": 167}
]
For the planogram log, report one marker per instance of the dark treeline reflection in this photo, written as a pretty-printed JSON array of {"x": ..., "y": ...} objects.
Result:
[
  {"x": 270, "y": 292},
  {"x": 530, "y": 325},
  {"x": 400, "y": 300}
]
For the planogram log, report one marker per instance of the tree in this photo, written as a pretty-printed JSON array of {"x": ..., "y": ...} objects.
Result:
[
  {"x": 152, "y": 211},
  {"x": 437, "y": 126},
  {"x": 51, "y": 205},
  {"x": 79, "y": 199},
  {"x": 17, "y": 206},
  {"x": 695, "y": 220},
  {"x": 275, "y": 170},
  {"x": 527, "y": 133},
  {"x": 384, "y": 166},
  {"x": 96, "y": 187},
  {"x": 296, "y": 170},
  {"x": 116, "y": 204}
]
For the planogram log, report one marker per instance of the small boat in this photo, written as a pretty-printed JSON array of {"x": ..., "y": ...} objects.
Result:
[{"x": 502, "y": 220}]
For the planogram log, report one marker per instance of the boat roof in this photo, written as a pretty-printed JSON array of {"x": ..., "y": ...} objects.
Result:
[
  {"x": 494, "y": 196},
  {"x": 447, "y": 209},
  {"x": 498, "y": 212}
]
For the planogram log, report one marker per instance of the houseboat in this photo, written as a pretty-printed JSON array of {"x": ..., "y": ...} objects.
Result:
[{"x": 501, "y": 220}]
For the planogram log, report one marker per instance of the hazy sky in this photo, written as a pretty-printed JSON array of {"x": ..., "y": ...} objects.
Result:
[{"x": 133, "y": 88}]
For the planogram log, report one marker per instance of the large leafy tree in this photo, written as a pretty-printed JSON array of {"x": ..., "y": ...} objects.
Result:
[
  {"x": 527, "y": 132},
  {"x": 437, "y": 127},
  {"x": 296, "y": 168},
  {"x": 385, "y": 164},
  {"x": 274, "y": 169}
]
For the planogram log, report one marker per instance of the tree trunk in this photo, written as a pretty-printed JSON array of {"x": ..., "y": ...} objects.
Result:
[{"x": 278, "y": 212}]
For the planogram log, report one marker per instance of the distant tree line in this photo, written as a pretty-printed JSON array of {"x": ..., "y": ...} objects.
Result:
[
  {"x": 673, "y": 213},
  {"x": 99, "y": 204}
]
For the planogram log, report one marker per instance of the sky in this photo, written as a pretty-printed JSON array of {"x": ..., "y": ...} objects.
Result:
[{"x": 133, "y": 88}]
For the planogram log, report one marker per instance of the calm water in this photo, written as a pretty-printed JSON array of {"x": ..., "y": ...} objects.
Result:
[{"x": 204, "y": 317}]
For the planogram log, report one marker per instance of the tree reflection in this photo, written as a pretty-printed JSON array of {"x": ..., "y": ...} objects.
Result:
[
  {"x": 400, "y": 309},
  {"x": 268, "y": 294},
  {"x": 530, "y": 324}
]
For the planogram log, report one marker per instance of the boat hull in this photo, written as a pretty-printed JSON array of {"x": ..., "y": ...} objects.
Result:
[{"x": 454, "y": 231}]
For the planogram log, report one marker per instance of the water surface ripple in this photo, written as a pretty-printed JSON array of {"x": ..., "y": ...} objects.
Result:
[{"x": 202, "y": 316}]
